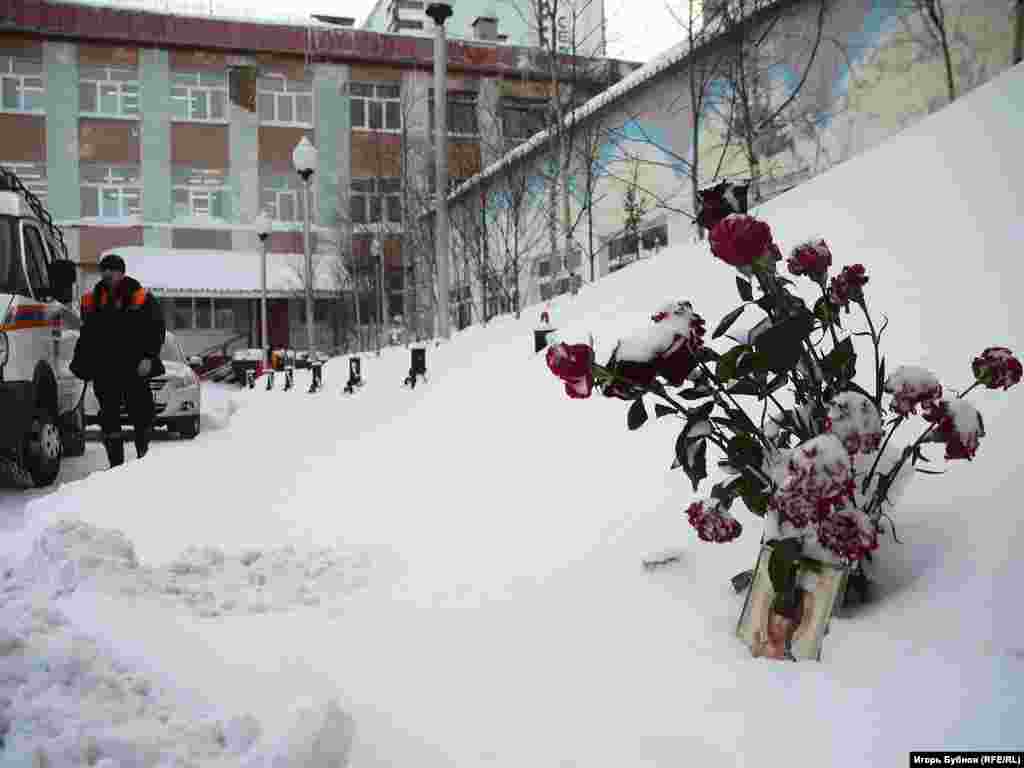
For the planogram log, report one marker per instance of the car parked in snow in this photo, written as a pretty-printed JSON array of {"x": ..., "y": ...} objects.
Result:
[{"x": 176, "y": 394}]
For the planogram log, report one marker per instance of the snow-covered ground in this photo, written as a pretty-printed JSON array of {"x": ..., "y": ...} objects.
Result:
[{"x": 452, "y": 576}]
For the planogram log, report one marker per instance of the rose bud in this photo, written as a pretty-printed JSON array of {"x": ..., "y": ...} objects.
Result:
[
  {"x": 573, "y": 365},
  {"x": 997, "y": 367}
]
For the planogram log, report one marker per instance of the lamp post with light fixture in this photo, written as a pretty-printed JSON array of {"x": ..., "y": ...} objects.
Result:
[
  {"x": 263, "y": 232},
  {"x": 304, "y": 158},
  {"x": 440, "y": 12}
]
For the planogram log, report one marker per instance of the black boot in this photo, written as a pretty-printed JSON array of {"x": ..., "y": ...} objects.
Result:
[
  {"x": 141, "y": 446},
  {"x": 115, "y": 451}
]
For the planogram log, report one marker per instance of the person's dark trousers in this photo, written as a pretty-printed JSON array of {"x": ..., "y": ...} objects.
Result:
[{"x": 135, "y": 393}]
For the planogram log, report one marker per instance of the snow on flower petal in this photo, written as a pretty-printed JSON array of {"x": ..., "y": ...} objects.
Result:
[
  {"x": 818, "y": 477},
  {"x": 712, "y": 521},
  {"x": 855, "y": 420},
  {"x": 667, "y": 348},
  {"x": 997, "y": 367},
  {"x": 959, "y": 426},
  {"x": 911, "y": 386}
]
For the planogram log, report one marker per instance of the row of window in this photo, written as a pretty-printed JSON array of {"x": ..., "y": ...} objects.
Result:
[
  {"x": 113, "y": 91},
  {"x": 623, "y": 250}
]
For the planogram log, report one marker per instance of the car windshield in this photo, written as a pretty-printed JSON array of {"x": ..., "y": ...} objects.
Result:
[{"x": 170, "y": 351}]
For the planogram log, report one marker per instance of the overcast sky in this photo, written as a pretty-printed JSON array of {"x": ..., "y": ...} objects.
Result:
[{"x": 637, "y": 29}]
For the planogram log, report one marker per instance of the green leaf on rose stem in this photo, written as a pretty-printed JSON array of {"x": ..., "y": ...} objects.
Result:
[
  {"x": 826, "y": 311},
  {"x": 852, "y": 386},
  {"x": 745, "y": 288},
  {"x": 838, "y": 364},
  {"x": 662, "y": 410},
  {"x": 728, "y": 320},
  {"x": 880, "y": 382},
  {"x": 696, "y": 464},
  {"x": 930, "y": 471},
  {"x": 744, "y": 451},
  {"x": 726, "y": 370},
  {"x": 744, "y": 387},
  {"x": 637, "y": 415},
  {"x": 695, "y": 393},
  {"x": 766, "y": 302},
  {"x": 724, "y": 493},
  {"x": 782, "y": 344}
]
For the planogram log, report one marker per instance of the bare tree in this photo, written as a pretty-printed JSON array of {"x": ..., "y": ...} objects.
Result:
[
  {"x": 759, "y": 41},
  {"x": 1018, "y": 37}
]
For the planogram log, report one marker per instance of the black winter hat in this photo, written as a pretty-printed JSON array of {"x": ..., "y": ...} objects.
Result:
[{"x": 112, "y": 261}]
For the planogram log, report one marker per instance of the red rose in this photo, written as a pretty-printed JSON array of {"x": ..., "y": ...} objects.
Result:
[
  {"x": 741, "y": 240},
  {"x": 573, "y": 365},
  {"x": 812, "y": 258},
  {"x": 847, "y": 285},
  {"x": 997, "y": 367},
  {"x": 911, "y": 386},
  {"x": 719, "y": 201}
]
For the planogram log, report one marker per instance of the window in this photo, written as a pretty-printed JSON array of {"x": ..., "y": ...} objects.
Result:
[
  {"x": 224, "y": 314},
  {"x": 377, "y": 107},
  {"x": 285, "y": 102},
  {"x": 109, "y": 91},
  {"x": 655, "y": 237},
  {"x": 375, "y": 200},
  {"x": 199, "y": 192},
  {"x": 35, "y": 261},
  {"x": 521, "y": 118},
  {"x": 22, "y": 84},
  {"x": 199, "y": 96},
  {"x": 404, "y": 24},
  {"x": 461, "y": 113},
  {"x": 110, "y": 190},
  {"x": 281, "y": 196},
  {"x": 544, "y": 267},
  {"x": 182, "y": 313},
  {"x": 204, "y": 314}
]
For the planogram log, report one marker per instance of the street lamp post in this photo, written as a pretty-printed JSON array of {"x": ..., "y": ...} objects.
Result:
[
  {"x": 375, "y": 253},
  {"x": 263, "y": 231},
  {"x": 304, "y": 160},
  {"x": 440, "y": 12}
]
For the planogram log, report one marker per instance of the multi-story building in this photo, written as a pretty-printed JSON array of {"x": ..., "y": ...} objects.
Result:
[
  {"x": 169, "y": 135},
  {"x": 827, "y": 86}
]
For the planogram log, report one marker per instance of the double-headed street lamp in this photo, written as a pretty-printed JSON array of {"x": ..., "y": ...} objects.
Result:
[
  {"x": 304, "y": 160},
  {"x": 262, "y": 224}
]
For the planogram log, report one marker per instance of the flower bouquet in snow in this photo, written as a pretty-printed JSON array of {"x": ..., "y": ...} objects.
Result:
[{"x": 800, "y": 443}]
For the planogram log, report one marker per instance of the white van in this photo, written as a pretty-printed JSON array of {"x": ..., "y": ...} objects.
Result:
[{"x": 41, "y": 413}]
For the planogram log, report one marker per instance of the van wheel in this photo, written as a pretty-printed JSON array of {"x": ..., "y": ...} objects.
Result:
[
  {"x": 43, "y": 449},
  {"x": 74, "y": 432}
]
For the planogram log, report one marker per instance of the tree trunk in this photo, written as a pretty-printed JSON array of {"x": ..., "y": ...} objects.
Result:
[{"x": 938, "y": 17}]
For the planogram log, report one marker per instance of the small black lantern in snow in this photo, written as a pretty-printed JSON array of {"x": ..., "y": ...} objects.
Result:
[
  {"x": 270, "y": 379},
  {"x": 250, "y": 378}
]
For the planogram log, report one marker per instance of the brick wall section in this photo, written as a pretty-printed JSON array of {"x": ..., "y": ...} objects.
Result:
[
  {"x": 276, "y": 144},
  {"x": 24, "y": 138},
  {"x": 376, "y": 154},
  {"x": 92, "y": 241},
  {"x": 200, "y": 146},
  {"x": 109, "y": 141},
  {"x": 102, "y": 55}
]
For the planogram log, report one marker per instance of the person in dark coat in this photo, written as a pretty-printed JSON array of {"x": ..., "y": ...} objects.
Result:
[{"x": 119, "y": 352}]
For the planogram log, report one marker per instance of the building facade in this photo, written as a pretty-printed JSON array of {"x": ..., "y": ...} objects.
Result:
[
  {"x": 865, "y": 72},
  {"x": 172, "y": 134}
]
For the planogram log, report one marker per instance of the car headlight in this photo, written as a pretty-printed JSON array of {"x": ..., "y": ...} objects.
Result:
[{"x": 5, "y": 348}]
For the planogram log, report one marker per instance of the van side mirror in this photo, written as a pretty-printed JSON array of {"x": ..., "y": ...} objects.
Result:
[{"x": 63, "y": 275}]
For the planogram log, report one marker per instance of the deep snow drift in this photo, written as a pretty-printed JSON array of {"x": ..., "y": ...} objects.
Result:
[{"x": 458, "y": 568}]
